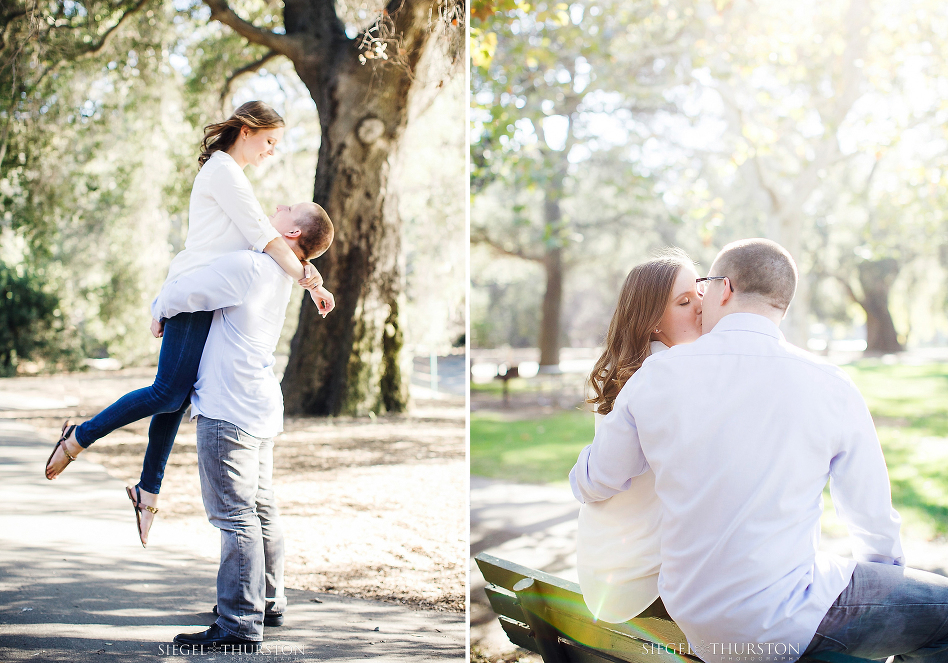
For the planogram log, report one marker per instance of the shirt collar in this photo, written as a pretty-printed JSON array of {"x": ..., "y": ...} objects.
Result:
[
  {"x": 751, "y": 322},
  {"x": 656, "y": 346}
]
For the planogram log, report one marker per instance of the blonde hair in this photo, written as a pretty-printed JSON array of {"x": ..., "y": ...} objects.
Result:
[
  {"x": 641, "y": 306},
  {"x": 221, "y": 136}
]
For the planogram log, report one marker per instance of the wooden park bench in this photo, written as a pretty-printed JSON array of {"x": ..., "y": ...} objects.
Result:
[
  {"x": 547, "y": 615},
  {"x": 506, "y": 374}
]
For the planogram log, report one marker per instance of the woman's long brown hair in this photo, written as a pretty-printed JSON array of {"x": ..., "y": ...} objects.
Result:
[
  {"x": 641, "y": 305},
  {"x": 221, "y": 136}
]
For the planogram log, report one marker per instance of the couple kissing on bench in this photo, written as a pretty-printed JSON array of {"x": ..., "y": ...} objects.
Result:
[
  {"x": 704, "y": 482},
  {"x": 703, "y": 486}
]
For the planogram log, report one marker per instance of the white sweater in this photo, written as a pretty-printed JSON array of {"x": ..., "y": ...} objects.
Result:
[{"x": 223, "y": 216}]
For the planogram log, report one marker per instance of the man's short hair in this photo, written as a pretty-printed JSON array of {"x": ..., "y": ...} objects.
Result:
[
  {"x": 761, "y": 268},
  {"x": 316, "y": 231}
]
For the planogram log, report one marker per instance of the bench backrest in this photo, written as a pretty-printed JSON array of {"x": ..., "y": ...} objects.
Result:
[{"x": 547, "y": 615}]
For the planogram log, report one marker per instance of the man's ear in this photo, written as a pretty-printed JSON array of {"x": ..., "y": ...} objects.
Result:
[
  {"x": 293, "y": 234},
  {"x": 726, "y": 293}
]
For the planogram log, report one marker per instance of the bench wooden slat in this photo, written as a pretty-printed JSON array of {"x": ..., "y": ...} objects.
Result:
[
  {"x": 570, "y": 618},
  {"x": 657, "y": 630},
  {"x": 504, "y": 603},
  {"x": 518, "y": 633},
  {"x": 503, "y": 573},
  {"x": 562, "y": 620},
  {"x": 577, "y": 653}
]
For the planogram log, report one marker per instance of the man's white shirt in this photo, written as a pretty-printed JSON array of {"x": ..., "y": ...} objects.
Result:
[
  {"x": 742, "y": 431},
  {"x": 248, "y": 293}
]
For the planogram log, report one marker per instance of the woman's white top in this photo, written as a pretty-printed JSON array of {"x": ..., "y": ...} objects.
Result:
[
  {"x": 617, "y": 547},
  {"x": 223, "y": 216}
]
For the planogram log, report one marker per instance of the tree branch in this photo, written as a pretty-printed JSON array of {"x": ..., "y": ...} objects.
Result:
[
  {"x": 281, "y": 44},
  {"x": 410, "y": 26},
  {"x": 771, "y": 194},
  {"x": 479, "y": 236},
  {"x": 849, "y": 289},
  {"x": 94, "y": 50},
  {"x": 11, "y": 15},
  {"x": 736, "y": 120},
  {"x": 107, "y": 37},
  {"x": 31, "y": 32},
  {"x": 246, "y": 69}
]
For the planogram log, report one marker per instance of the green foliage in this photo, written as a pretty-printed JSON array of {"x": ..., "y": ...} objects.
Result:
[
  {"x": 84, "y": 153},
  {"x": 554, "y": 59},
  {"x": 505, "y": 301},
  {"x": 560, "y": 114},
  {"x": 30, "y": 319},
  {"x": 394, "y": 394},
  {"x": 432, "y": 199}
]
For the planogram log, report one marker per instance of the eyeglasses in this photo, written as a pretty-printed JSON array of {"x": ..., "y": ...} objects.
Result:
[{"x": 702, "y": 284}]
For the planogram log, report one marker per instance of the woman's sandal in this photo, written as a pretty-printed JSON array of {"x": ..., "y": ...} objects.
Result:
[
  {"x": 138, "y": 506},
  {"x": 67, "y": 431}
]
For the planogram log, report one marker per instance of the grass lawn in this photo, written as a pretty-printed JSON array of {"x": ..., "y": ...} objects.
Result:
[
  {"x": 539, "y": 450},
  {"x": 496, "y": 387},
  {"x": 909, "y": 405}
]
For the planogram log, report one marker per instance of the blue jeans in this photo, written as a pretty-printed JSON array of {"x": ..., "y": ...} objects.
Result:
[
  {"x": 888, "y": 611},
  {"x": 236, "y": 472},
  {"x": 167, "y": 398}
]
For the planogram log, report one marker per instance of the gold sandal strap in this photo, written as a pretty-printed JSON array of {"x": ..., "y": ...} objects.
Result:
[
  {"x": 67, "y": 431},
  {"x": 137, "y": 500}
]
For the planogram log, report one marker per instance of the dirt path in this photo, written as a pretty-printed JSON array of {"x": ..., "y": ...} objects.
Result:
[{"x": 373, "y": 508}]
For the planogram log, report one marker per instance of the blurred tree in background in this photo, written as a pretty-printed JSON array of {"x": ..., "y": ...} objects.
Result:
[
  {"x": 556, "y": 99},
  {"x": 818, "y": 124},
  {"x": 810, "y": 125},
  {"x": 29, "y": 317}
]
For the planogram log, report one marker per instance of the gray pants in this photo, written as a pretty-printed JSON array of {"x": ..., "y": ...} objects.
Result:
[
  {"x": 237, "y": 486},
  {"x": 888, "y": 611}
]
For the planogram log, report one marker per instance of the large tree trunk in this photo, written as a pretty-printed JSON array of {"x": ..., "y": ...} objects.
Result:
[
  {"x": 552, "y": 307},
  {"x": 337, "y": 365},
  {"x": 550, "y": 323},
  {"x": 876, "y": 278},
  {"x": 349, "y": 363}
]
